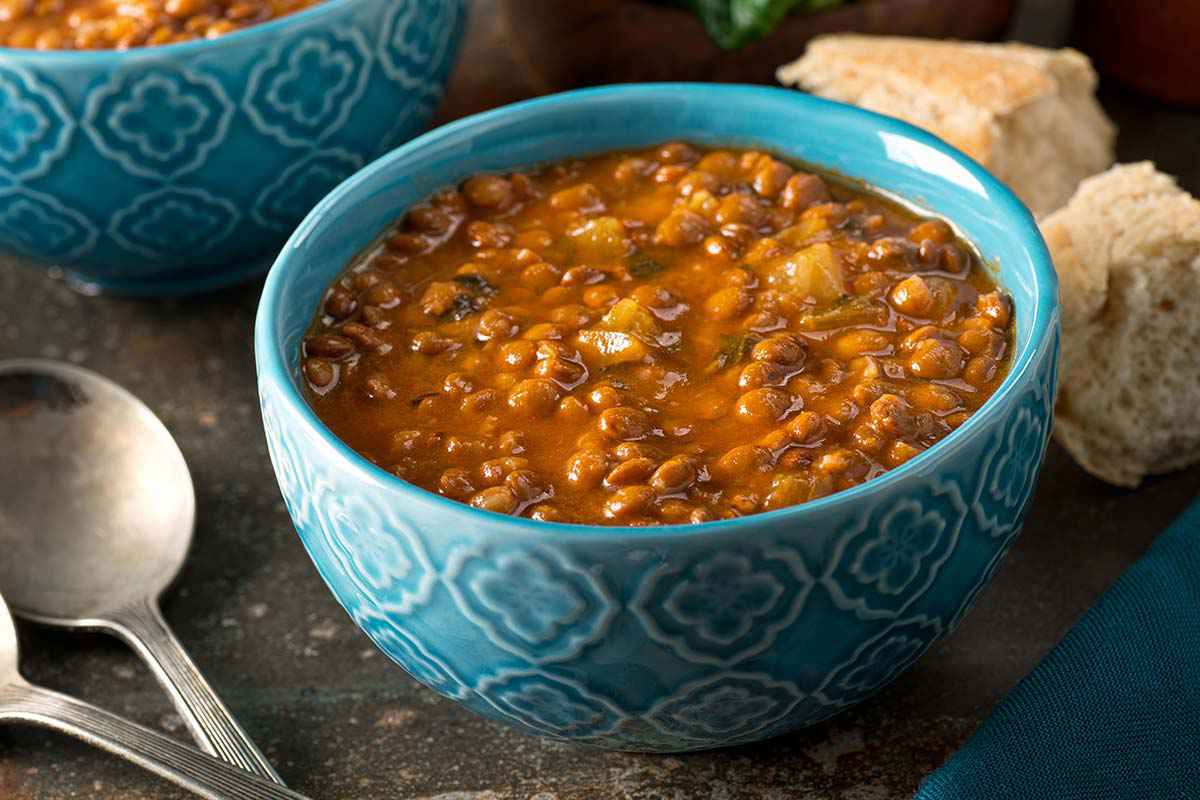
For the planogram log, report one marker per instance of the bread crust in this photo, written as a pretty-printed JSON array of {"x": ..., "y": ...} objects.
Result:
[
  {"x": 1127, "y": 251},
  {"x": 1026, "y": 113}
]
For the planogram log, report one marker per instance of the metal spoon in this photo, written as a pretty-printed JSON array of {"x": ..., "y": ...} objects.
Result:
[
  {"x": 20, "y": 702},
  {"x": 96, "y": 517}
]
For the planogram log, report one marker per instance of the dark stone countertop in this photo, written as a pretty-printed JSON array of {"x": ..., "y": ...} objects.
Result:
[{"x": 339, "y": 721}]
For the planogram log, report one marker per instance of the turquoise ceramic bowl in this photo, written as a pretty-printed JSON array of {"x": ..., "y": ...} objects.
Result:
[
  {"x": 678, "y": 637},
  {"x": 179, "y": 168}
]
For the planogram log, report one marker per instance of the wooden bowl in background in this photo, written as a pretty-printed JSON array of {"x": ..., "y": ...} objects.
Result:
[
  {"x": 522, "y": 48},
  {"x": 1148, "y": 46},
  {"x": 570, "y": 44}
]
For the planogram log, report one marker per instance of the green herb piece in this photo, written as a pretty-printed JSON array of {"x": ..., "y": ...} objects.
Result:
[
  {"x": 640, "y": 266},
  {"x": 475, "y": 282},
  {"x": 733, "y": 23},
  {"x": 849, "y": 309},
  {"x": 478, "y": 289},
  {"x": 733, "y": 349}
]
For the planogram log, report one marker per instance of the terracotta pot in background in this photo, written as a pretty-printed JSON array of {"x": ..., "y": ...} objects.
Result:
[
  {"x": 571, "y": 44},
  {"x": 1149, "y": 46}
]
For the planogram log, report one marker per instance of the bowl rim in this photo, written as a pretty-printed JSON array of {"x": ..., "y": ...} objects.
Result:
[
  {"x": 272, "y": 367},
  {"x": 176, "y": 48}
]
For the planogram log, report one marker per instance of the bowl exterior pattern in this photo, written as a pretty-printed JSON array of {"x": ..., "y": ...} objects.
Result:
[
  {"x": 185, "y": 167},
  {"x": 643, "y": 644}
]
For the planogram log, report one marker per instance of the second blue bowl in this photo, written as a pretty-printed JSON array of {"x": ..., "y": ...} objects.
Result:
[{"x": 173, "y": 169}]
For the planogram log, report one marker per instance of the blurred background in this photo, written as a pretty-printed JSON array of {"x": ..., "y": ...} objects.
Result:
[
  {"x": 521, "y": 48},
  {"x": 516, "y": 49}
]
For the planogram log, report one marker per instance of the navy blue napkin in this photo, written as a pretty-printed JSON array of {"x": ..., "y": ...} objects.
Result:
[{"x": 1113, "y": 712}]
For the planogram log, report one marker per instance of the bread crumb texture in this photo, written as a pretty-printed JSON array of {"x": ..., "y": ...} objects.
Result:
[
  {"x": 1127, "y": 251},
  {"x": 1027, "y": 114}
]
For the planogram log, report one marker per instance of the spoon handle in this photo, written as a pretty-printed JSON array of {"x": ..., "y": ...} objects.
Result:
[
  {"x": 178, "y": 763},
  {"x": 209, "y": 721}
]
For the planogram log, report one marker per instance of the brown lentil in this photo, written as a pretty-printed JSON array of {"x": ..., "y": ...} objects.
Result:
[{"x": 122, "y": 24}]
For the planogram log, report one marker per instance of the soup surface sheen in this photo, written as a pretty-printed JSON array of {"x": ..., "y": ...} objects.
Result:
[
  {"x": 120, "y": 24},
  {"x": 661, "y": 336}
]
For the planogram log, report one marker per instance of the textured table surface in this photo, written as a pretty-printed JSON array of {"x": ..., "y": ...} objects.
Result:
[{"x": 340, "y": 722}]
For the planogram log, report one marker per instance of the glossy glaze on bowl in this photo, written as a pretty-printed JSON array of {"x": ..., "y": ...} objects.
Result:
[
  {"x": 177, "y": 168},
  {"x": 676, "y": 637}
]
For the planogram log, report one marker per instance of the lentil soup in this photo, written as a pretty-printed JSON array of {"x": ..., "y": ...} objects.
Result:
[
  {"x": 668, "y": 335},
  {"x": 121, "y": 24}
]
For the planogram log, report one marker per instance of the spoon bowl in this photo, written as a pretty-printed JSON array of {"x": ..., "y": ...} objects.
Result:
[
  {"x": 98, "y": 506},
  {"x": 96, "y": 516}
]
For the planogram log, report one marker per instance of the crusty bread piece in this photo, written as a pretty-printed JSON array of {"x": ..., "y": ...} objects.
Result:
[
  {"x": 1028, "y": 114},
  {"x": 1127, "y": 250}
]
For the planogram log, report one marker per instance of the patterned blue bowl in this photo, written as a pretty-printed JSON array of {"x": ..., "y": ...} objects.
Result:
[
  {"x": 678, "y": 637},
  {"x": 180, "y": 168}
]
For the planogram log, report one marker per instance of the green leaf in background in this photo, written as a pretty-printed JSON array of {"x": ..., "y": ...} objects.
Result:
[{"x": 733, "y": 23}]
